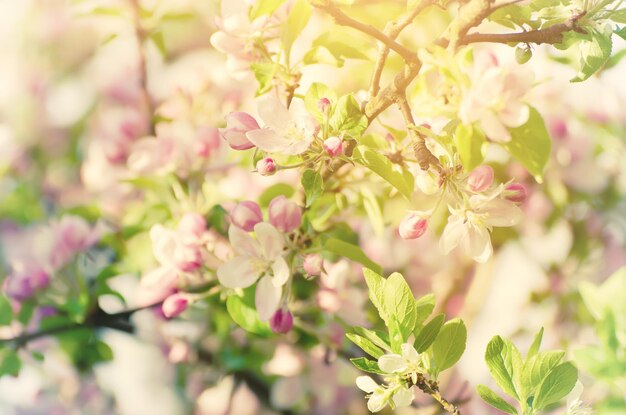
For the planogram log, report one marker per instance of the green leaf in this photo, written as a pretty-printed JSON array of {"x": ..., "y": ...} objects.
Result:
[
  {"x": 264, "y": 73},
  {"x": 536, "y": 369},
  {"x": 621, "y": 32},
  {"x": 347, "y": 117},
  {"x": 424, "y": 306},
  {"x": 264, "y": 7},
  {"x": 275, "y": 190},
  {"x": 470, "y": 143},
  {"x": 375, "y": 285},
  {"x": 379, "y": 338},
  {"x": 10, "y": 363},
  {"x": 503, "y": 361},
  {"x": 494, "y": 400},
  {"x": 534, "y": 347},
  {"x": 594, "y": 53},
  {"x": 313, "y": 185},
  {"x": 342, "y": 44},
  {"x": 159, "y": 41},
  {"x": 6, "y": 311},
  {"x": 449, "y": 345},
  {"x": 316, "y": 92},
  {"x": 396, "y": 337},
  {"x": 243, "y": 312},
  {"x": 367, "y": 346},
  {"x": 382, "y": 166},
  {"x": 429, "y": 332},
  {"x": 530, "y": 144},
  {"x": 559, "y": 382},
  {"x": 296, "y": 21},
  {"x": 399, "y": 302},
  {"x": 374, "y": 211},
  {"x": 320, "y": 54},
  {"x": 353, "y": 252},
  {"x": 366, "y": 365}
]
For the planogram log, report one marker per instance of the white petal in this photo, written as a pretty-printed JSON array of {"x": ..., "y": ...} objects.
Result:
[
  {"x": 493, "y": 128},
  {"x": 271, "y": 240},
  {"x": 515, "y": 114},
  {"x": 273, "y": 112},
  {"x": 409, "y": 352},
  {"x": 376, "y": 402},
  {"x": 298, "y": 147},
  {"x": 268, "y": 139},
  {"x": 392, "y": 363},
  {"x": 503, "y": 213},
  {"x": 163, "y": 244},
  {"x": 267, "y": 298},
  {"x": 403, "y": 397},
  {"x": 281, "y": 272},
  {"x": 477, "y": 243},
  {"x": 243, "y": 243},
  {"x": 366, "y": 384},
  {"x": 237, "y": 273},
  {"x": 452, "y": 234}
]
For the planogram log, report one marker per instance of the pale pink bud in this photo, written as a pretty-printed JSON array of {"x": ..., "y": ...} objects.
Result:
[
  {"x": 480, "y": 179},
  {"x": 515, "y": 192},
  {"x": 281, "y": 321},
  {"x": 266, "y": 166},
  {"x": 245, "y": 215},
  {"x": 207, "y": 141},
  {"x": 285, "y": 214},
  {"x": 333, "y": 146},
  {"x": 323, "y": 105},
  {"x": 412, "y": 226},
  {"x": 23, "y": 285},
  {"x": 313, "y": 264},
  {"x": 174, "y": 305},
  {"x": 237, "y": 125},
  {"x": 187, "y": 258},
  {"x": 191, "y": 228}
]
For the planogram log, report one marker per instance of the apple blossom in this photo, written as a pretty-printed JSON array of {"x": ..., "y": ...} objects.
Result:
[
  {"x": 313, "y": 265},
  {"x": 409, "y": 361},
  {"x": 412, "y": 226},
  {"x": 333, "y": 146},
  {"x": 285, "y": 214},
  {"x": 480, "y": 179},
  {"x": 246, "y": 215},
  {"x": 515, "y": 192},
  {"x": 288, "y": 131},
  {"x": 266, "y": 166},
  {"x": 191, "y": 228},
  {"x": 237, "y": 125},
  {"x": 207, "y": 141},
  {"x": 257, "y": 259},
  {"x": 281, "y": 321},
  {"x": 174, "y": 305},
  {"x": 379, "y": 397}
]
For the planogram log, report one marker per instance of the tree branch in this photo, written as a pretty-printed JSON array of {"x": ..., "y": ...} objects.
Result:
[
  {"x": 140, "y": 35},
  {"x": 432, "y": 388}
]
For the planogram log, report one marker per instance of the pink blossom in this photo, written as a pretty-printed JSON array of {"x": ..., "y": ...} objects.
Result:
[
  {"x": 313, "y": 265},
  {"x": 285, "y": 214},
  {"x": 207, "y": 141},
  {"x": 412, "y": 226},
  {"x": 24, "y": 284},
  {"x": 174, "y": 305},
  {"x": 480, "y": 179},
  {"x": 266, "y": 166},
  {"x": 246, "y": 215},
  {"x": 237, "y": 125},
  {"x": 281, "y": 321},
  {"x": 515, "y": 192},
  {"x": 191, "y": 228},
  {"x": 71, "y": 235},
  {"x": 333, "y": 146}
]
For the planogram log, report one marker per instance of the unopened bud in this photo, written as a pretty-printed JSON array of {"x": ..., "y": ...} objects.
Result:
[
  {"x": 313, "y": 264},
  {"x": 174, "y": 305},
  {"x": 281, "y": 321},
  {"x": 412, "y": 226},
  {"x": 245, "y": 215},
  {"x": 515, "y": 192},
  {"x": 266, "y": 166},
  {"x": 285, "y": 214},
  {"x": 323, "y": 105},
  {"x": 333, "y": 146},
  {"x": 480, "y": 179}
]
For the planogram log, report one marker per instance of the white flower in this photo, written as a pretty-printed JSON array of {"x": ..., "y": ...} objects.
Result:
[
  {"x": 470, "y": 226},
  {"x": 575, "y": 406},
  {"x": 257, "y": 258},
  {"x": 288, "y": 131},
  {"x": 395, "y": 394},
  {"x": 409, "y": 361}
]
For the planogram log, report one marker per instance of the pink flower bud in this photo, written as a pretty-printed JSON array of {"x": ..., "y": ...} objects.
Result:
[
  {"x": 333, "y": 146},
  {"x": 191, "y": 228},
  {"x": 285, "y": 215},
  {"x": 281, "y": 321},
  {"x": 174, "y": 305},
  {"x": 323, "y": 105},
  {"x": 313, "y": 264},
  {"x": 412, "y": 226},
  {"x": 187, "y": 258},
  {"x": 23, "y": 285},
  {"x": 207, "y": 141},
  {"x": 480, "y": 179},
  {"x": 237, "y": 125},
  {"x": 515, "y": 192},
  {"x": 266, "y": 166},
  {"x": 245, "y": 215}
]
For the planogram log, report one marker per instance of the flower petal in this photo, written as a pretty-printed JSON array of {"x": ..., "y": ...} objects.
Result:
[
  {"x": 273, "y": 112},
  {"x": 237, "y": 273},
  {"x": 477, "y": 243},
  {"x": 271, "y": 240},
  {"x": 503, "y": 213},
  {"x": 409, "y": 352},
  {"x": 392, "y": 363},
  {"x": 376, "y": 402},
  {"x": 366, "y": 384},
  {"x": 403, "y": 397},
  {"x": 268, "y": 139},
  {"x": 267, "y": 298},
  {"x": 281, "y": 271},
  {"x": 493, "y": 128},
  {"x": 243, "y": 243},
  {"x": 452, "y": 234}
]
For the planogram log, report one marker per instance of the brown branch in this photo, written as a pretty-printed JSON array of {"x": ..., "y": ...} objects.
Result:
[
  {"x": 431, "y": 388},
  {"x": 470, "y": 15},
  {"x": 140, "y": 35},
  {"x": 344, "y": 20}
]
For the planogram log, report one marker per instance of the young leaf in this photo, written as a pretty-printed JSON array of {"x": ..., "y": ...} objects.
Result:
[
  {"x": 534, "y": 348},
  {"x": 10, "y": 363},
  {"x": 6, "y": 311},
  {"x": 530, "y": 144},
  {"x": 470, "y": 143},
  {"x": 313, "y": 185},
  {"x": 347, "y": 117},
  {"x": 399, "y": 302},
  {"x": 263, "y": 7},
  {"x": 494, "y": 400},
  {"x": 502, "y": 361},
  {"x": 449, "y": 345},
  {"x": 296, "y": 21},
  {"x": 379, "y": 338},
  {"x": 428, "y": 334},
  {"x": 375, "y": 284},
  {"x": 366, "y": 365},
  {"x": 537, "y": 368},
  {"x": 316, "y": 92},
  {"x": 396, "y": 338},
  {"x": 373, "y": 209},
  {"x": 559, "y": 382},
  {"x": 367, "y": 346},
  {"x": 245, "y": 315},
  {"x": 424, "y": 306},
  {"x": 383, "y": 167},
  {"x": 593, "y": 54},
  {"x": 353, "y": 252}
]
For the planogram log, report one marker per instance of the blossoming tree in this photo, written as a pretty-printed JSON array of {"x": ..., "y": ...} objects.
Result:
[{"x": 245, "y": 191}]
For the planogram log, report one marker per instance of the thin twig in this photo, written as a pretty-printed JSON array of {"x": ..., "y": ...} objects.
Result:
[{"x": 140, "y": 35}]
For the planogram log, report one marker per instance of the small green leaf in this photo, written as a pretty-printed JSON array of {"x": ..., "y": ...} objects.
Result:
[
  {"x": 396, "y": 337},
  {"x": 530, "y": 144},
  {"x": 10, "y": 363},
  {"x": 347, "y": 117},
  {"x": 271, "y": 192},
  {"x": 264, "y": 73},
  {"x": 470, "y": 143},
  {"x": 594, "y": 53},
  {"x": 502, "y": 363},
  {"x": 296, "y": 21},
  {"x": 316, "y": 92},
  {"x": 366, "y": 365},
  {"x": 353, "y": 252},
  {"x": 159, "y": 41},
  {"x": 245, "y": 315},
  {"x": 264, "y": 7},
  {"x": 399, "y": 302},
  {"x": 342, "y": 44},
  {"x": 494, "y": 400},
  {"x": 428, "y": 334},
  {"x": 424, "y": 307},
  {"x": 379, "y": 338},
  {"x": 367, "y": 346},
  {"x": 374, "y": 211},
  {"x": 6, "y": 311},
  {"x": 313, "y": 185},
  {"x": 449, "y": 345},
  {"x": 534, "y": 348},
  {"x": 375, "y": 284},
  {"x": 536, "y": 369},
  {"x": 559, "y": 382},
  {"x": 382, "y": 166}
]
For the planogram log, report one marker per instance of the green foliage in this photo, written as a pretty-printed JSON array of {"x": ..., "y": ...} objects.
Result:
[
  {"x": 494, "y": 400},
  {"x": 350, "y": 251},
  {"x": 471, "y": 145},
  {"x": 313, "y": 186},
  {"x": 449, "y": 346},
  {"x": 347, "y": 118},
  {"x": 296, "y": 21},
  {"x": 595, "y": 51},
  {"x": 316, "y": 92},
  {"x": 334, "y": 47},
  {"x": 264, "y": 7},
  {"x": 398, "y": 177},
  {"x": 10, "y": 363},
  {"x": 243, "y": 312}
]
